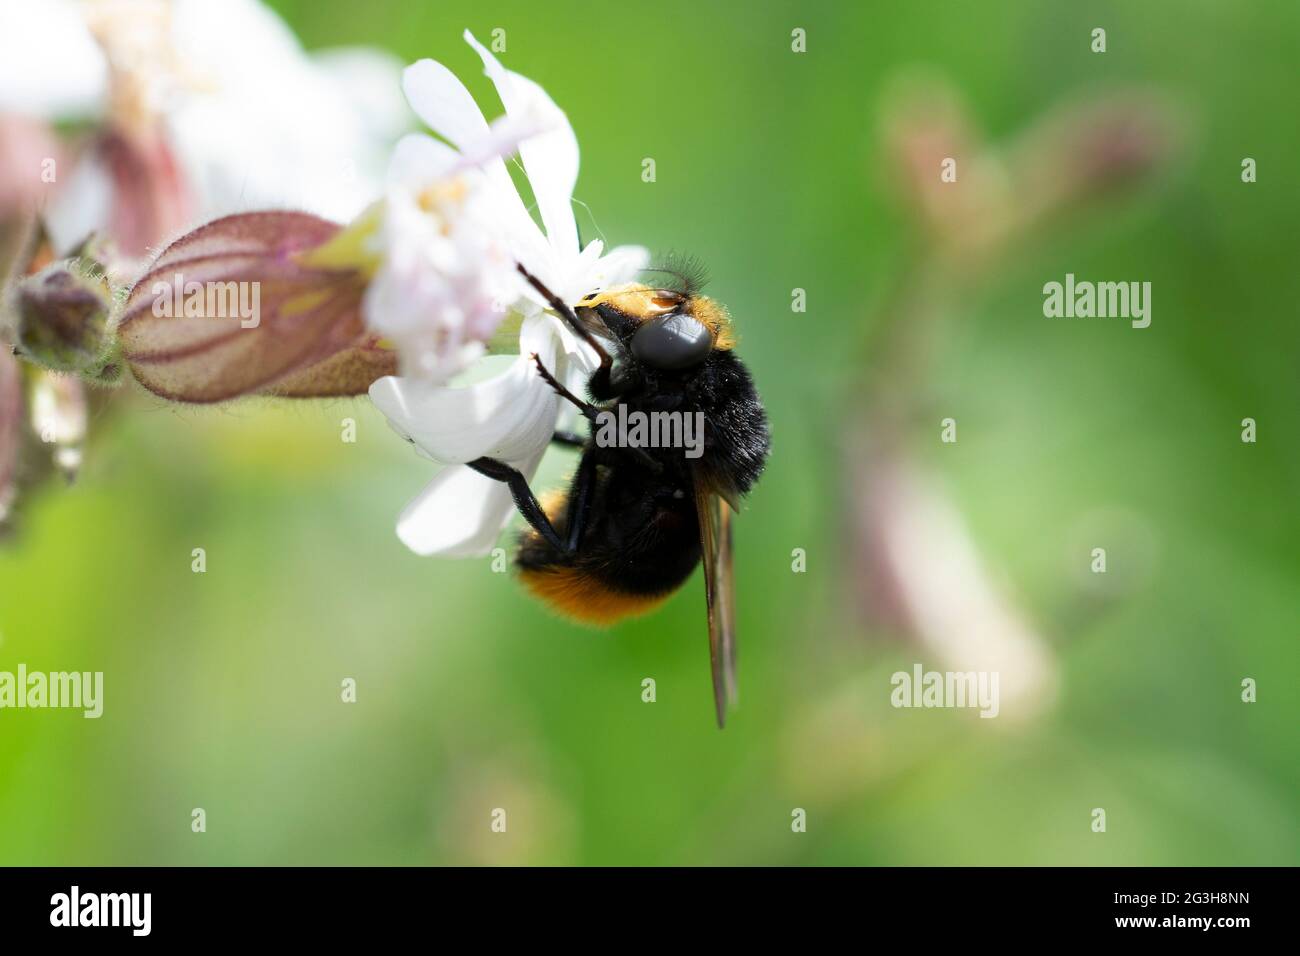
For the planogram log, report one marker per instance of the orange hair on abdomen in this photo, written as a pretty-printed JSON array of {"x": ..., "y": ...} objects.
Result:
[{"x": 576, "y": 594}]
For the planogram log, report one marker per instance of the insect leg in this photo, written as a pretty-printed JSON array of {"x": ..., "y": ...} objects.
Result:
[
  {"x": 591, "y": 411},
  {"x": 524, "y": 498},
  {"x": 569, "y": 439},
  {"x": 580, "y": 501},
  {"x": 568, "y": 315},
  {"x": 588, "y": 410}
]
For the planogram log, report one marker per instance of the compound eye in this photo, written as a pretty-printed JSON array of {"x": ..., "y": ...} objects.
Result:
[{"x": 672, "y": 342}]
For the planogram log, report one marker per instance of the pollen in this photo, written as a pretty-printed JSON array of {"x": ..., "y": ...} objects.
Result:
[{"x": 439, "y": 196}]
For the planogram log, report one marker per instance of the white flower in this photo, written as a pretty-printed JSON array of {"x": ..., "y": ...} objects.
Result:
[
  {"x": 50, "y": 65},
  {"x": 513, "y": 415},
  {"x": 446, "y": 274},
  {"x": 251, "y": 120},
  {"x": 265, "y": 124}
]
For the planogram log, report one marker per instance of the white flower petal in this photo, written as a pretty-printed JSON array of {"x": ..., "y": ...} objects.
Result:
[
  {"x": 504, "y": 137},
  {"x": 510, "y": 416},
  {"x": 513, "y": 415},
  {"x": 550, "y": 159},
  {"x": 578, "y": 354},
  {"x": 255, "y": 122},
  {"x": 620, "y": 264},
  {"x": 460, "y": 513},
  {"x": 50, "y": 65},
  {"x": 441, "y": 100},
  {"x": 365, "y": 80},
  {"x": 589, "y": 271},
  {"x": 419, "y": 159}
]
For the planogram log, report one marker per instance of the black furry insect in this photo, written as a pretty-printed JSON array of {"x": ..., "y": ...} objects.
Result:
[{"x": 637, "y": 518}]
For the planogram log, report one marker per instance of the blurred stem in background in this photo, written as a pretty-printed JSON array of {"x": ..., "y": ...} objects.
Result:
[
  {"x": 43, "y": 410},
  {"x": 975, "y": 207}
]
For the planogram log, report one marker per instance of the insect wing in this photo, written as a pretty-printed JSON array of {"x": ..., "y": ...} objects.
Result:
[{"x": 715, "y": 516}]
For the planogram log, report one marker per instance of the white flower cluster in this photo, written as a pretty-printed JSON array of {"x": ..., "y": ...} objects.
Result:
[{"x": 455, "y": 228}]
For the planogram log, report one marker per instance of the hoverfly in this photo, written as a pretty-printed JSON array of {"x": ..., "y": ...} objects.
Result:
[{"x": 635, "y": 521}]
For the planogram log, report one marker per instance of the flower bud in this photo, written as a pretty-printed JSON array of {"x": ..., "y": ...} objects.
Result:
[
  {"x": 349, "y": 372},
  {"x": 1087, "y": 150},
  {"x": 239, "y": 307},
  {"x": 61, "y": 317}
]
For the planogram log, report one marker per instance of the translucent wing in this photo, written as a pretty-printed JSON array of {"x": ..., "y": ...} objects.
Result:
[{"x": 715, "y": 551}]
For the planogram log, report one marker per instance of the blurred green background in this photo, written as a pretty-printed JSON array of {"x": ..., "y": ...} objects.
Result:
[{"x": 222, "y": 689}]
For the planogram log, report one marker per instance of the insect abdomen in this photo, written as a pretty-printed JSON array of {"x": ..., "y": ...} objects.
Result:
[
  {"x": 580, "y": 596},
  {"x": 625, "y": 566}
]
